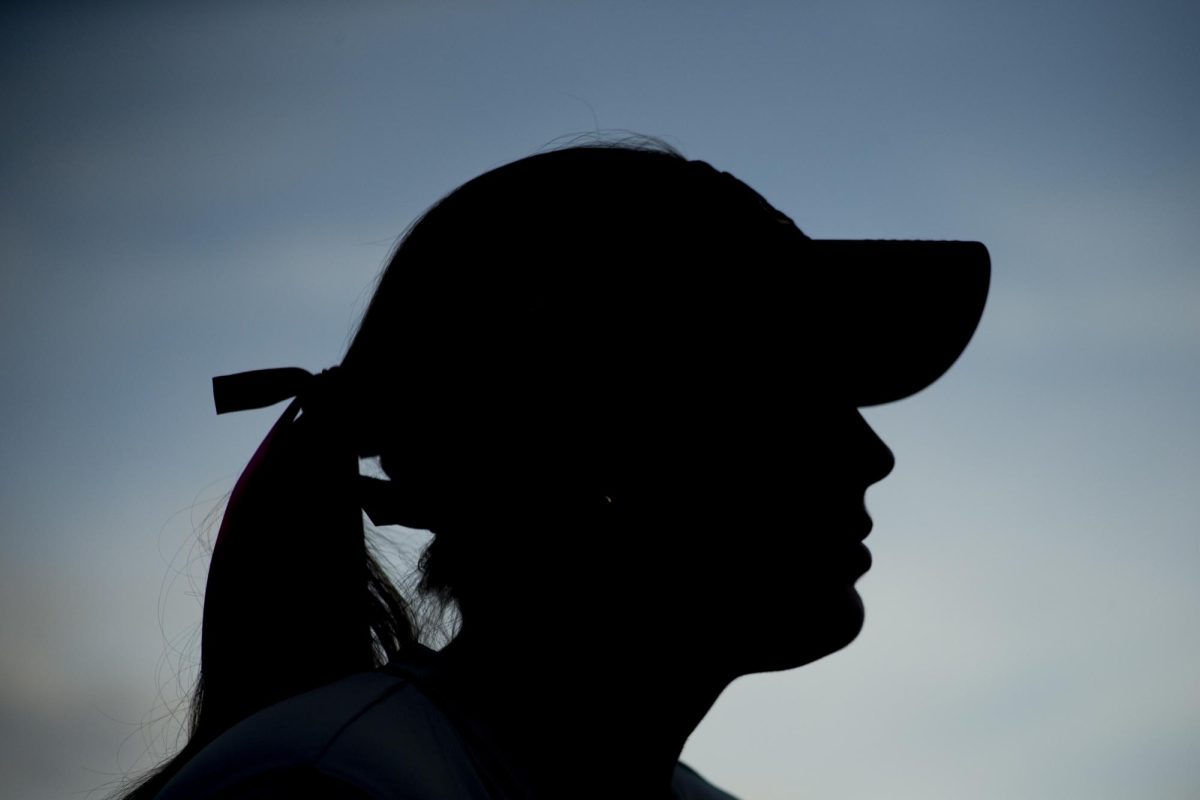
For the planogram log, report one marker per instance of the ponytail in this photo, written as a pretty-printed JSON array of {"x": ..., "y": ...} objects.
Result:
[{"x": 294, "y": 598}]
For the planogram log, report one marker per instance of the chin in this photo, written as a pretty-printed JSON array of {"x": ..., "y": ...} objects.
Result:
[{"x": 784, "y": 645}]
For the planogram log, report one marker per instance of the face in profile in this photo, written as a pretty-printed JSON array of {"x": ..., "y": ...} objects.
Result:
[
  {"x": 798, "y": 544},
  {"x": 754, "y": 526}
]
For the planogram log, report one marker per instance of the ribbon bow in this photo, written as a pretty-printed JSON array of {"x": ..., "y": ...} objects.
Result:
[{"x": 260, "y": 388}]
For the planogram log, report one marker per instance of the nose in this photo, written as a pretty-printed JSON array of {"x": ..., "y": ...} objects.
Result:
[{"x": 878, "y": 460}]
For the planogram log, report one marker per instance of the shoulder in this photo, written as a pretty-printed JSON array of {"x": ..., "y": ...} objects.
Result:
[
  {"x": 688, "y": 785},
  {"x": 369, "y": 735}
]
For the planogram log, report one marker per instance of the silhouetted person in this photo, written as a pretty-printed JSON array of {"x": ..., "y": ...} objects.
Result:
[{"x": 622, "y": 391}]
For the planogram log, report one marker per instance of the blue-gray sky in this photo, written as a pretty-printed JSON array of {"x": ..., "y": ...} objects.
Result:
[{"x": 191, "y": 191}]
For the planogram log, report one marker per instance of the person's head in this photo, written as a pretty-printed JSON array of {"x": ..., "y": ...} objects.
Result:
[
  {"x": 621, "y": 389},
  {"x": 589, "y": 373}
]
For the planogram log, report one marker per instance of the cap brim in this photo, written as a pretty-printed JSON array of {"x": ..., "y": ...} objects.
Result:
[{"x": 900, "y": 312}]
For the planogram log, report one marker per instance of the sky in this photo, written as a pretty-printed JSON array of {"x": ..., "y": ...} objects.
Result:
[{"x": 188, "y": 190}]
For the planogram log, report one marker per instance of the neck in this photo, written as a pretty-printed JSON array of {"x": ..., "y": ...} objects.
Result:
[{"x": 546, "y": 709}]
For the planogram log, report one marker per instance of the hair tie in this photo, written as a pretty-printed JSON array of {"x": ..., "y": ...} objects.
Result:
[{"x": 260, "y": 388}]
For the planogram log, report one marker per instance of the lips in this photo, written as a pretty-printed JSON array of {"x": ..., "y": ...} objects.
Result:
[
  {"x": 862, "y": 557},
  {"x": 865, "y": 525}
]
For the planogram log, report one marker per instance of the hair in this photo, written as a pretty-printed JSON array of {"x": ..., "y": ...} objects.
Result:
[{"x": 524, "y": 335}]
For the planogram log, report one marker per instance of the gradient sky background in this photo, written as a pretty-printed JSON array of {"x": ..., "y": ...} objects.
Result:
[{"x": 187, "y": 192}]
